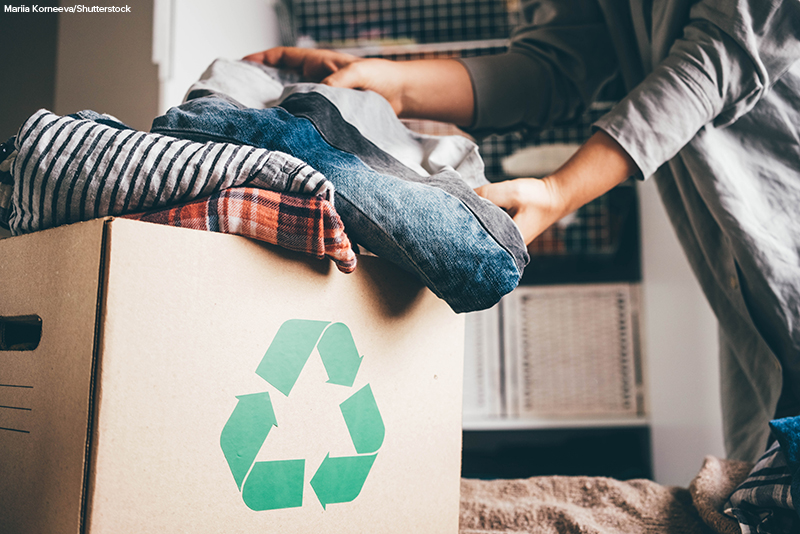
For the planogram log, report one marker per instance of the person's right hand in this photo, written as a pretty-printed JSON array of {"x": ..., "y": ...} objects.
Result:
[{"x": 534, "y": 204}]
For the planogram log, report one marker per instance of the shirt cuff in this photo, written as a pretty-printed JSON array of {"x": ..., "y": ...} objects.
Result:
[{"x": 661, "y": 115}]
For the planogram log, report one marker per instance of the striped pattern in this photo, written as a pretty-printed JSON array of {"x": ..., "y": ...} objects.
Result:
[
  {"x": 296, "y": 222},
  {"x": 763, "y": 502},
  {"x": 70, "y": 170},
  {"x": 7, "y": 156}
]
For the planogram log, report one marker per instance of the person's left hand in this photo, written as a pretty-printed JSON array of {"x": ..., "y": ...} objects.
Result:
[
  {"x": 532, "y": 203},
  {"x": 340, "y": 70}
]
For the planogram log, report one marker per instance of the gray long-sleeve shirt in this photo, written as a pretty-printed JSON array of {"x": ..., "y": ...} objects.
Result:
[{"x": 713, "y": 113}]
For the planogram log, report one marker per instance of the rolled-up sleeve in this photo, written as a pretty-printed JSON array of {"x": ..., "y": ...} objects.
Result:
[
  {"x": 555, "y": 66},
  {"x": 728, "y": 57}
]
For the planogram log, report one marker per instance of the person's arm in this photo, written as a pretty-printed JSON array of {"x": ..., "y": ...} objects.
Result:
[
  {"x": 726, "y": 60},
  {"x": 556, "y": 63},
  {"x": 724, "y": 63},
  {"x": 436, "y": 89},
  {"x": 535, "y": 204}
]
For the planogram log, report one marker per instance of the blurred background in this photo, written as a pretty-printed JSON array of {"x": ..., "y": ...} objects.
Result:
[{"x": 604, "y": 360}]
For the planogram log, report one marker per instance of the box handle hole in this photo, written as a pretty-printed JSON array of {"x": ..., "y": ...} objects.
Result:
[{"x": 22, "y": 332}]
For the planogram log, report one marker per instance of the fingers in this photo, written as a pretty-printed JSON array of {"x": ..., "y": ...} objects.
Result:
[
  {"x": 525, "y": 200},
  {"x": 379, "y": 75},
  {"x": 262, "y": 57},
  {"x": 258, "y": 57},
  {"x": 503, "y": 194},
  {"x": 348, "y": 77},
  {"x": 281, "y": 57},
  {"x": 312, "y": 64}
]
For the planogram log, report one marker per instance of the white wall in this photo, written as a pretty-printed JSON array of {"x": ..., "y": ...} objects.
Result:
[
  {"x": 137, "y": 65},
  {"x": 680, "y": 346},
  {"x": 203, "y": 30}
]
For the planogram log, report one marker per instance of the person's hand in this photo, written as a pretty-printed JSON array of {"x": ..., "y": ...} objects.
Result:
[
  {"x": 387, "y": 78},
  {"x": 339, "y": 70},
  {"x": 312, "y": 63},
  {"x": 436, "y": 89},
  {"x": 534, "y": 204}
]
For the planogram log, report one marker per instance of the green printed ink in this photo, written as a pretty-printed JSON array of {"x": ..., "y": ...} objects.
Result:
[
  {"x": 278, "y": 484},
  {"x": 246, "y": 431},
  {"x": 340, "y": 479},
  {"x": 339, "y": 355},
  {"x": 363, "y": 421}
]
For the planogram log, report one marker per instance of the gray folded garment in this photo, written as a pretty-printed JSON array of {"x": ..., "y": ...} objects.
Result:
[{"x": 763, "y": 502}]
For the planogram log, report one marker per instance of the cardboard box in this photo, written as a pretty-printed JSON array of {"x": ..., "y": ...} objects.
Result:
[{"x": 159, "y": 386}]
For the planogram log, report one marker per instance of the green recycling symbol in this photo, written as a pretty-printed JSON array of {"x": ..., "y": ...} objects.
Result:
[{"x": 279, "y": 484}]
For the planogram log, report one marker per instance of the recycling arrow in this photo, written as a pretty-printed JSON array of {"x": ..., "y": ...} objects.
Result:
[
  {"x": 274, "y": 485},
  {"x": 339, "y": 355},
  {"x": 340, "y": 479},
  {"x": 289, "y": 352},
  {"x": 246, "y": 431},
  {"x": 363, "y": 421},
  {"x": 277, "y": 484},
  {"x": 293, "y": 344}
]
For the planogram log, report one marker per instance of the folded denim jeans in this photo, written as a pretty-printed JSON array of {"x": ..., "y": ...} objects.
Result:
[
  {"x": 342, "y": 135},
  {"x": 417, "y": 226}
]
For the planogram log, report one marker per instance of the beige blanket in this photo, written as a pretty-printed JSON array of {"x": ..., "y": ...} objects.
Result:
[{"x": 596, "y": 505}]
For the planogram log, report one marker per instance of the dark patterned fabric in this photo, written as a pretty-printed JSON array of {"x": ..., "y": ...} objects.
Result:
[{"x": 763, "y": 502}]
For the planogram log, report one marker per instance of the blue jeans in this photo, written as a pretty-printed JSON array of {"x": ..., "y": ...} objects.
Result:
[{"x": 417, "y": 226}]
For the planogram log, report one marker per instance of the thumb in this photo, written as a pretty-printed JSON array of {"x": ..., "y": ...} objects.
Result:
[
  {"x": 347, "y": 77},
  {"x": 272, "y": 57},
  {"x": 502, "y": 194}
]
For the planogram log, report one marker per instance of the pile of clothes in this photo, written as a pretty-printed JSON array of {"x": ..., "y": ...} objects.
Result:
[{"x": 316, "y": 169}]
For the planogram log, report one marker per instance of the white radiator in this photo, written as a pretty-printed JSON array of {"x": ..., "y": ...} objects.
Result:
[{"x": 550, "y": 351}]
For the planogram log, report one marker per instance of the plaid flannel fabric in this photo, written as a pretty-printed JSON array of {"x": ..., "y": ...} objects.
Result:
[
  {"x": 763, "y": 502},
  {"x": 302, "y": 223}
]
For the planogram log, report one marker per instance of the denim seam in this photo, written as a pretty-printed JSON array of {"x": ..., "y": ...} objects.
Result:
[
  {"x": 489, "y": 232},
  {"x": 420, "y": 271},
  {"x": 472, "y": 211}
]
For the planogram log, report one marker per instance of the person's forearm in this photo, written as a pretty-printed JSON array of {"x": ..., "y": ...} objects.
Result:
[
  {"x": 599, "y": 165},
  {"x": 438, "y": 89},
  {"x": 535, "y": 203}
]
